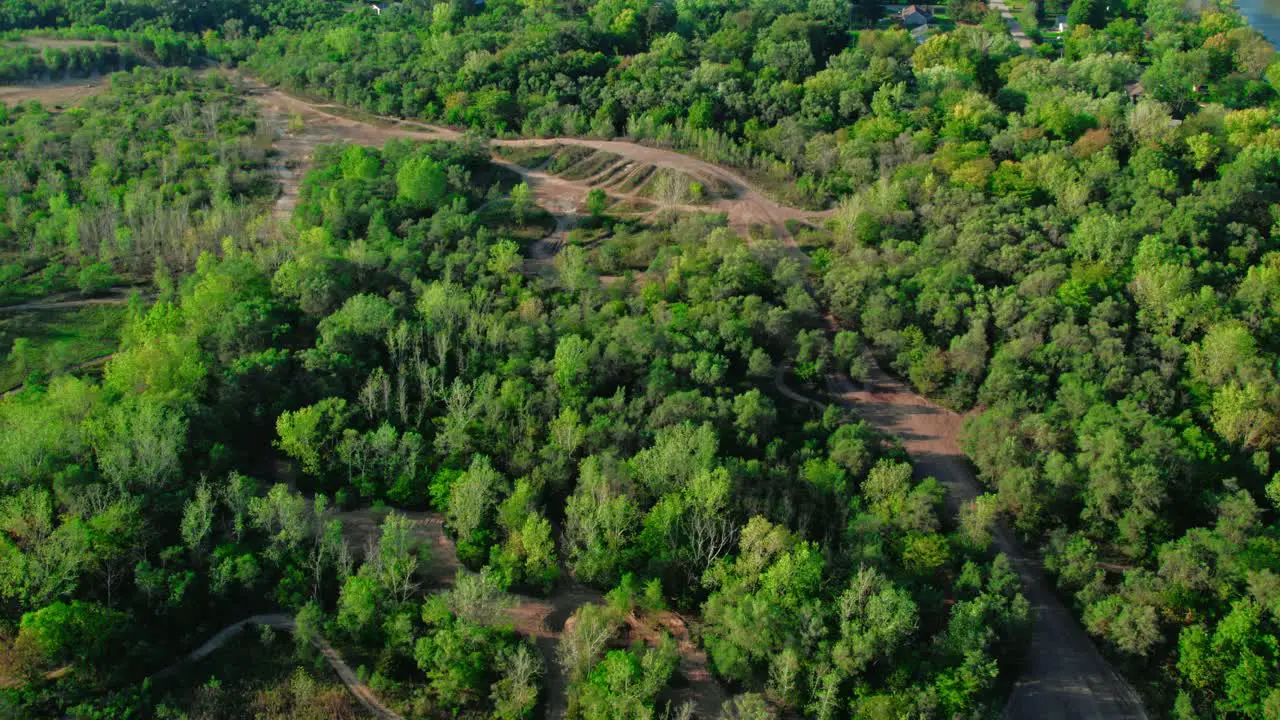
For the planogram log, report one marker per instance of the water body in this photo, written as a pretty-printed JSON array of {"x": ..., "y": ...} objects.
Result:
[{"x": 1263, "y": 16}]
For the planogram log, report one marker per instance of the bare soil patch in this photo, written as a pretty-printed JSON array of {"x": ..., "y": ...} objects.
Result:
[
  {"x": 55, "y": 94},
  {"x": 360, "y": 527},
  {"x": 38, "y": 41}
]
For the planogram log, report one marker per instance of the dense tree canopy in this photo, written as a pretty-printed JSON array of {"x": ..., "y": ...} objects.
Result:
[{"x": 1075, "y": 242}]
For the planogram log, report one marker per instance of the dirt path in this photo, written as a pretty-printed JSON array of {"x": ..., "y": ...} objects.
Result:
[
  {"x": 55, "y": 93},
  {"x": 1015, "y": 27},
  {"x": 325, "y": 123},
  {"x": 278, "y": 621},
  {"x": 542, "y": 619},
  {"x": 91, "y": 362},
  {"x": 361, "y": 526},
  {"x": 115, "y": 296},
  {"x": 1066, "y": 677},
  {"x": 43, "y": 41}
]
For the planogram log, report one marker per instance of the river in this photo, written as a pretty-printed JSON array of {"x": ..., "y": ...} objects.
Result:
[{"x": 1263, "y": 16}]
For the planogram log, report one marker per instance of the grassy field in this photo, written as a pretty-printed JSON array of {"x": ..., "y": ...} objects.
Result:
[{"x": 55, "y": 340}]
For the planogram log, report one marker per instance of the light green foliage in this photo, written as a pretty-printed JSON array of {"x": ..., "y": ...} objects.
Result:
[
  {"x": 760, "y": 598},
  {"x": 521, "y": 201},
  {"x": 473, "y": 499},
  {"x": 197, "y": 518},
  {"x": 516, "y": 695},
  {"x": 626, "y": 683},
  {"x": 600, "y": 521},
  {"x": 478, "y": 598},
  {"x": 79, "y": 631},
  {"x": 137, "y": 444},
  {"x": 504, "y": 258},
  {"x": 572, "y": 364},
  {"x": 358, "y": 602},
  {"x": 398, "y": 557},
  {"x": 597, "y": 202},
  {"x": 421, "y": 183},
  {"x": 678, "y": 453},
  {"x": 310, "y": 433},
  {"x": 1072, "y": 245},
  {"x": 460, "y": 660},
  {"x": 41, "y": 556},
  {"x": 283, "y": 516},
  {"x": 875, "y": 619}
]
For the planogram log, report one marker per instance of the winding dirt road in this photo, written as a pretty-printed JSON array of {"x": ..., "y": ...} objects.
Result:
[
  {"x": 325, "y": 123},
  {"x": 1066, "y": 677},
  {"x": 115, "y": 296},
  {"x": 85, "y": 365},
  {"x": 542, "y": 619},
  {"x": 278, "y": 621}
]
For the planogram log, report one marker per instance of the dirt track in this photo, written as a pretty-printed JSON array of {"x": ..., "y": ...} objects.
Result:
[
  {"x": 363, "y": 693},
  {"x": 543, "y": 618},
  {"x": 53, "y": 94},
  {"x": 115, "y": 296},
  {"x": 325, "y": 123},
  {"x": 91, "y": 362},
  {"x": 1066, "y": 677}
]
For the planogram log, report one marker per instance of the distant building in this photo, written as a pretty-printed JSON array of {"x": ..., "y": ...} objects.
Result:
[
  {"x": 378, "y": 8},
  {"x": 1061, "y": 24},
  {"x": 1134, "y": 91},
  {"x": 915, "y": 16}
]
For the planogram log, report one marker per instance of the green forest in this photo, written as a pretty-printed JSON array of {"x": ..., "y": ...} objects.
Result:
[{"x": 633, "y": 359}]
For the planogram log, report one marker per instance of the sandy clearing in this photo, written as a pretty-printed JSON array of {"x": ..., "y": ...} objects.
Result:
[
  {"x": 38, "y": 41},
  {"x": 57, "y": 93}
]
